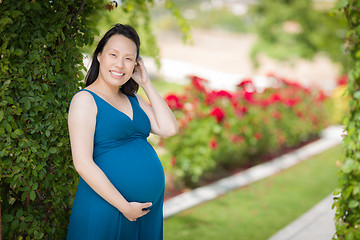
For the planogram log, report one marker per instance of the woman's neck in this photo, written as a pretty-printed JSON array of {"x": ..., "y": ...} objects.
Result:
[{"x": 105, "y": 89}]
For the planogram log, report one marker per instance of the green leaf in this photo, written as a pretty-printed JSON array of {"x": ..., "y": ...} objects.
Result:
[
  {"x": 353, "y": 204},
  {"x": 19, "y": 132},
  {"x": 14, "y": 224},
  {"x": 6, "y": 84},
  {"x": 39, "y": 167},
  {"x": 18, "y": 52},
  {"x": 32, "y": 195},
  {"x": 341, "y": 4},
  {"x": 356, "y": 190},
  {"x": 23, "y": 226},
  {"x": 38, "y": 235},
  {"x": 7, "y": 218},
  {"x": 357, "y": 94},
  {"x": 24, "y": 196},
  {"x": 349, "y": 166},
  {"x": 52, "y": 150}
]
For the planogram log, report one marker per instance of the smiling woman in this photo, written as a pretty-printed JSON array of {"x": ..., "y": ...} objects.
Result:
[
  {"x": 121, "y": 189},
  {"x": 117, "y": 61}
]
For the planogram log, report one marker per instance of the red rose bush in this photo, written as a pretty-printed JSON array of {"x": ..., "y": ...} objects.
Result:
[{"x": 222, "y": 130}]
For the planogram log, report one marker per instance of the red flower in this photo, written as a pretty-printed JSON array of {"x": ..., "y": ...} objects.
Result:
[
  {"x": 218, "y": 113},
  {"x": 173, "y": 101},
  {"x": 247, "y": 85},
  {"x": 210, "y": 98},
  {"x": 291, "y": 102},
  {"x": 299, "y": 114},
  {"x": 265, "y": 103},
  {"x": 342, "y": 80},
  {"x": 245, "y": 82},
  {"x": 275, "y": 97},
  {"x": 173, "y": 161},
  {"x": 237, "y": 139},
  {"x": 249, "y": 96},
  {"x": 213, "y": 144},
  {"x": 291, "y": 84},
  {"x": 240, "y": 111},
  {"x": 223, "y": 93},
  {"x": 277, "y": 115},
  {"x": 213, "y": 95},
  {"x": 258, "y": 136},
  {"x": 314, "y": 119},
  {"x": 198, "y": 83},
  {"x": 321, "y": 96}
]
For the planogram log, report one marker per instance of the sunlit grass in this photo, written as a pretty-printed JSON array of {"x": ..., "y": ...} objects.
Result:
[
  {"x": 164, "y": 87},
  {"x": 261, "y": 209}
]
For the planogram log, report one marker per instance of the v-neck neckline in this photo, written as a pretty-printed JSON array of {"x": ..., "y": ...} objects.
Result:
[{"x": 131, "y": 106}]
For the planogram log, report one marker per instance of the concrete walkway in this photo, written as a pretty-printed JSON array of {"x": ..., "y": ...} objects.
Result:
[{"x": 316, "y": 224}]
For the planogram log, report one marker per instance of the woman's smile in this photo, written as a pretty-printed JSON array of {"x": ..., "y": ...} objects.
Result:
[{"x": 116, "y": 74}]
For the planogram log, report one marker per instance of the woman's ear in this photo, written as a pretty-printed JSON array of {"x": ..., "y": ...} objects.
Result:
[{"x": 98, "y": 57}]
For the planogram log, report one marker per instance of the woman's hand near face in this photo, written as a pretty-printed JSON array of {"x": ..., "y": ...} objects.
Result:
[
  {"x": 140, "y": 74},
  {"x": 163, "y": 122}
]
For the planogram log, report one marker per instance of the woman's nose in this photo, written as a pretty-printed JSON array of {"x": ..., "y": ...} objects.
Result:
[{"x": 119, "y": 63}]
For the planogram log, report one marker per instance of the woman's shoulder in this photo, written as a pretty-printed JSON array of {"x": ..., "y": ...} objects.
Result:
[{"x": 83, "y": 98}]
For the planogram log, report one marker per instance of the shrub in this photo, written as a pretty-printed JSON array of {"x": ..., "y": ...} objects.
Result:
[
  {"x": 347, "y": 199},
  {"x": 40, "y": 69},
  {"x": 222, "y": 129}
]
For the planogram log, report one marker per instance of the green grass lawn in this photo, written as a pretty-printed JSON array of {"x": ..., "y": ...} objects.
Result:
[
  {"x": 261, "y": 209},
  {"x": 164, "y": 88}
]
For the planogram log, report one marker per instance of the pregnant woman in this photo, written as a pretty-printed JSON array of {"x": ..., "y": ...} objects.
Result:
[{"x": 121, "y": 189}]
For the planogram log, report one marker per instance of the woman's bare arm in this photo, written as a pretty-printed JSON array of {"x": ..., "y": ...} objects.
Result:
[{"x": 163, "y": 121}]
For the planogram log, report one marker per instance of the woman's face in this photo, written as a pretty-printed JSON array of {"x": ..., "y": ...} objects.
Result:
[{"x": 117, "y": 60}]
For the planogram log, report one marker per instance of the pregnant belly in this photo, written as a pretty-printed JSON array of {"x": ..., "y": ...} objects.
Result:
[{"x": 135, "y": 170}]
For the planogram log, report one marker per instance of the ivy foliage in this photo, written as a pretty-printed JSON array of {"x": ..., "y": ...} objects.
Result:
[
  {"x": 347, "y": 197},
  {"x": 291, "y": 29},
  {"x": 41, "y": 67}
]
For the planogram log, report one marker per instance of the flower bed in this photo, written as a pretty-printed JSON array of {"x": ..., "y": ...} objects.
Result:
[{"x": 222, "y": 130}]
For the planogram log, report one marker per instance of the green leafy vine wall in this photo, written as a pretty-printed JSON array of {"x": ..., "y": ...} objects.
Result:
[
  {"x": 40, "y": 69},
  {"x": 348, "y": 193}
]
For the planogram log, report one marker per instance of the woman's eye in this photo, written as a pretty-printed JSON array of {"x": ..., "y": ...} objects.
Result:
[
  {"x": 113, "y": 55},
  {"x": 129, "y": 59}
]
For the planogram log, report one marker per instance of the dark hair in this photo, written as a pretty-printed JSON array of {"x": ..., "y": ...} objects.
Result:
[{"x": 130, "y": 87}]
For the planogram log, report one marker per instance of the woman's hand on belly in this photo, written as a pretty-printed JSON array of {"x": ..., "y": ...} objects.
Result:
[{"x": 135, "y": 210}]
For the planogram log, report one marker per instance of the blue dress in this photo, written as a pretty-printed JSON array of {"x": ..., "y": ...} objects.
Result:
[{"x": 132, "y": 166}]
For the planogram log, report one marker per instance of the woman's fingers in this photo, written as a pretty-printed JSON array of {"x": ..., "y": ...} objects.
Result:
[
  {"x": 137, "y": 210},
  {"x": 146, "y": 205}
]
